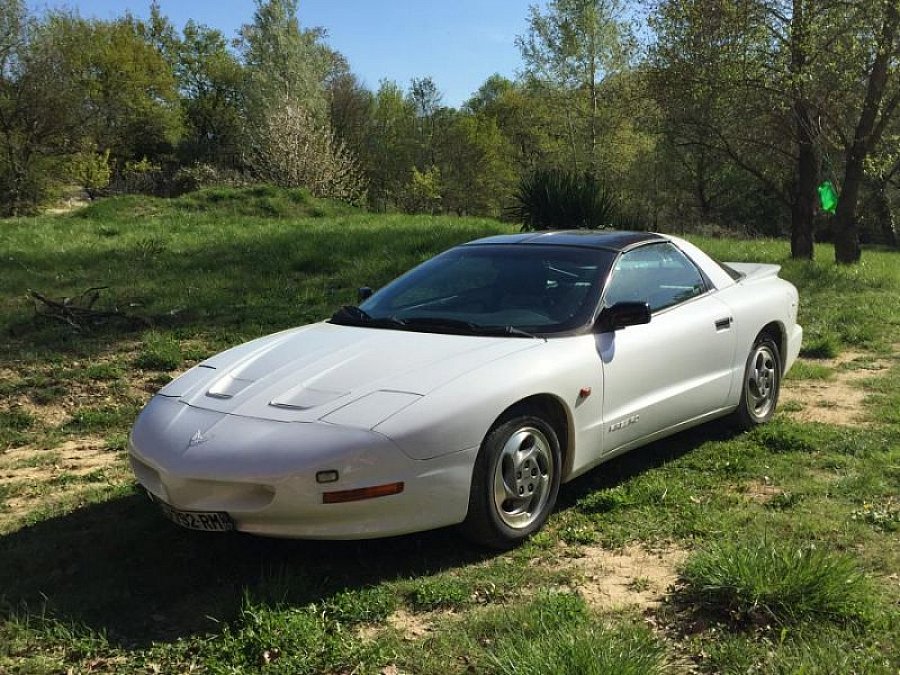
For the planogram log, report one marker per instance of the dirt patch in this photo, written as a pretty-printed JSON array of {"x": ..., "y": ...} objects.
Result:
[
  {"x": 411, "y": 626},
  {"x": 633, "y": 576},
  {"x": 35, "y": 478},
  {"x": 75, "y": 458},
  {"x": 761, "y": 492},
  {"x": 839, "y": 400}
]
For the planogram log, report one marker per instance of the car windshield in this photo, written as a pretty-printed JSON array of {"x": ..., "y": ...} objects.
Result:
[{"x": 491, "y": 289}]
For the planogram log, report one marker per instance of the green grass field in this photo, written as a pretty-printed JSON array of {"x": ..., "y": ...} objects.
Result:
[{"x": 774, "y": 551}]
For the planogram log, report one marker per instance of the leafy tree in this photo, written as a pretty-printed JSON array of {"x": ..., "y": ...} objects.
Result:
[
  {"x": 879, "y": 105},
  {"x": 787, "y": 70},
  {"x": 570, "y": 49},
  {"x": 475, "y": 159},
  {"x": 130, "y": 98},
  {"x": 41, "y": 110},
  {"x": 391, "y": 149},
  {"x": 283, "y": 61},
  {"x": 209, "y": 81}
]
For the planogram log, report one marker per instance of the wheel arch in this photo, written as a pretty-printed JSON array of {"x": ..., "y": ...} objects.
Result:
[
  {"x": 557, "y": 414},
  {"x": 776, "y": 331}
]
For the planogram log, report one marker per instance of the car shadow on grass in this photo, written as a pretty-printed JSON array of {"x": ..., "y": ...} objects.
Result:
[
  {"x": 119, "y": 568},
  {"x": 635, "y": 462}
]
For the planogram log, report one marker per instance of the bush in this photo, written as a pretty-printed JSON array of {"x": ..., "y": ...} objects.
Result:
[
  {"x": 558, "y": 200},
  {"x": 198, "y": 176},
  {"x": 292, "y": 149},
  {"x": 760, "y": 582}
]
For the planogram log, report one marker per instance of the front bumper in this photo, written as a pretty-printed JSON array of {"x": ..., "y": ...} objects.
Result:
[{"x": 263, "y": 474}]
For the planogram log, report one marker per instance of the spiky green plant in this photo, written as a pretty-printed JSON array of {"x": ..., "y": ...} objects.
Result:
[{"x": 549, "y": 199}]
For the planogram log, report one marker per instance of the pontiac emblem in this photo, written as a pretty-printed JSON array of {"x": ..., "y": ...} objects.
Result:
[{"x": 197, "y": 439}]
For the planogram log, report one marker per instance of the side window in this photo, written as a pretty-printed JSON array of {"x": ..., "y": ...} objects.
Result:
[{"x": 659, "y": 274}]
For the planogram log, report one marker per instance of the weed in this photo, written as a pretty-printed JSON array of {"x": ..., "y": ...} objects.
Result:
[
  {"x": 439, "y": 593},
  {"x": 759, "y": 582},
  {"x": 159, "y": 352},
  {"x": 101, "y": 419},
  {"x": 371, "y": 604},
  {"x": 805, "y": 370},
  {"x": 577, "y": 644}
]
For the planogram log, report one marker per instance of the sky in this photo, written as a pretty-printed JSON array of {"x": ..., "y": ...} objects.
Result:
[{"x": 458, "y": 43}]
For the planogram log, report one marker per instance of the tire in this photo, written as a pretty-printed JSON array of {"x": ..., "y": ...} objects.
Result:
[
  {"x": 515, "y": 482},
  {"x": 760, "y": 386}
]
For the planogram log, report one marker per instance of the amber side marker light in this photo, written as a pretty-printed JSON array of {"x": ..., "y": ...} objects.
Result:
[{"x": 342, "y": 496}]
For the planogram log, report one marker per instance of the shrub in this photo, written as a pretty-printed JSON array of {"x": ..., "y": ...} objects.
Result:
[
  {"x": 291, "y": 148},
  {"x": 761, "y": 582},
  {"x": 549, "y": 199},
  {"x": 198, "y": 176}
]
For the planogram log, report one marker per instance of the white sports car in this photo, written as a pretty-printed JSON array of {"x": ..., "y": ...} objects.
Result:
[{"x": 466, "y": 390}]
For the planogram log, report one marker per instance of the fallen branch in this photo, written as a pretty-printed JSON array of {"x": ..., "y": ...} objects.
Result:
[{"x": 79, "y": 311}]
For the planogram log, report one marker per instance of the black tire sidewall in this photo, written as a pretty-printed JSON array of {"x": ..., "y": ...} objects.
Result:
[
  {"x": 745, "y": 417},
  {"x": 483, "y": 524}
]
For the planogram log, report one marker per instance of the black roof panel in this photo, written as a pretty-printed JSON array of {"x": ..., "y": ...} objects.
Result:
[{"x": 613, "y": 240}]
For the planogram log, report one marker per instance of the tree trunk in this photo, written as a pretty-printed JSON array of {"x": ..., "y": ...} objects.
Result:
[
  {"x": 846, "y": 235},
  {"x": 803, "y": 201},
  {"x": 885, "y": 216},
  {"x": 803, "y": 204}
]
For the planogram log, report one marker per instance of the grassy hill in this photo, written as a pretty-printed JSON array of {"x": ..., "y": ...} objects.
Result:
[{"x": 770, "y": 551}]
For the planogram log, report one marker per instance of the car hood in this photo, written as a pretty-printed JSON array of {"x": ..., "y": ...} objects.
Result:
[{"x": 313, "y": 372}]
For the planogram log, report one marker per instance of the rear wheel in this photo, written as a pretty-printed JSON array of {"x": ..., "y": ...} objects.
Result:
[
  {"x": 515, "y": 482},
  {"x": 761, "y": 384}
]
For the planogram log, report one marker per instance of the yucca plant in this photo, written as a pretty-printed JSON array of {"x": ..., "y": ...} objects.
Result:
[{"x": 550, "y": 199}]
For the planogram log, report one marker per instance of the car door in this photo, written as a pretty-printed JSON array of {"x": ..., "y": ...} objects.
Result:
[{"x": 675, "y": 368}]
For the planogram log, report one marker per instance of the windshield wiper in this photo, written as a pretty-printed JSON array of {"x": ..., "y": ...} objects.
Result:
[
  {"x": 439, "y": 322},
  {"x": 458, "y": 325},
  {"x": 351, "y": 315},
  {"x": 509, "y": 330}
]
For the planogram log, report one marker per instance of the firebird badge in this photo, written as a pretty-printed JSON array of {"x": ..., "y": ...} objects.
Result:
[
  {"x": 624, "y": 423},
  {"x": 197, "y": 439}
]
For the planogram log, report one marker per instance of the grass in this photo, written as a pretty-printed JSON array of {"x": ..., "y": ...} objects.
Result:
[
  {"x": 754, "y": 582},
  {"x": 93, "y": 579}
]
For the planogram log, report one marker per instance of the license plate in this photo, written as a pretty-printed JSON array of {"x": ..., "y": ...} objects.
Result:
[{"x": 208, "y": 521}]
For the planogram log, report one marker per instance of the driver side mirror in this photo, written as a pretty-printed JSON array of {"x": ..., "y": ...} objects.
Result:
[
  {"x": 621, "y": 315},
  {"x": 363, "y": 293}
]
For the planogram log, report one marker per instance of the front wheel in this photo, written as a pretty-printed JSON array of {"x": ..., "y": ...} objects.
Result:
[
  {"x": 515, "y": 482},
  {"x": 761, "y": 384}
]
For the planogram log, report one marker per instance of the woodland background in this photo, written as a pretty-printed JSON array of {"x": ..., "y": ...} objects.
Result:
[{"x": 709, "y": 116}]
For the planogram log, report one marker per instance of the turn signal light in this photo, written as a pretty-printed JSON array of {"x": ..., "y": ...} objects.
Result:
[{"x": 362, "y": 493}]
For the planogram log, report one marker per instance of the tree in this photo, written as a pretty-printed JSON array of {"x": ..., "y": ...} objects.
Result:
[
  {"x": 390, "y": 151},
  {"x": 878, "y": 106},
  {"x": 570, "y": 49},
  {"x": 474, "y": 158},
  {"x": 131, "y": 101},
  {"x": 41, "y": 112},
  {"x": 209, "y": 81},
  {"x": 283, "y": 61}
]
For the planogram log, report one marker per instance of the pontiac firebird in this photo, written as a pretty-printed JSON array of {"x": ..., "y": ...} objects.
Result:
[{"x": 465, "y": 391}]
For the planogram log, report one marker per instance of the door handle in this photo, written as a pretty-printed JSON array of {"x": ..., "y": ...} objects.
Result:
[{"x": 724, "y": 324}]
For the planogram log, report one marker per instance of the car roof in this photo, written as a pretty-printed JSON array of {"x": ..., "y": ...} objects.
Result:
[{"x": 611, "y": 240}]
